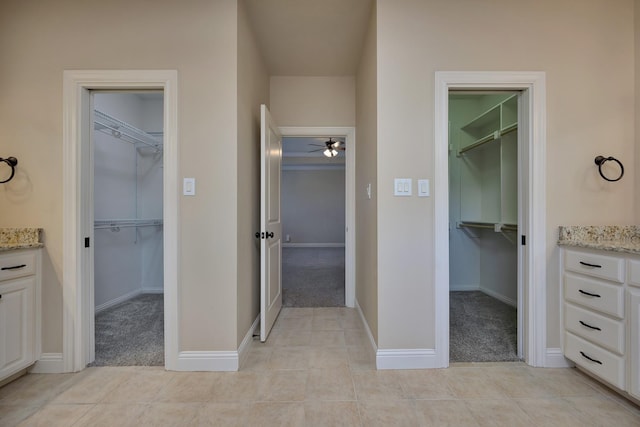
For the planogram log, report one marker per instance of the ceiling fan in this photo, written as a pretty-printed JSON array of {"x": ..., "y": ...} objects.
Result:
[{"x": 330, "y": 148}]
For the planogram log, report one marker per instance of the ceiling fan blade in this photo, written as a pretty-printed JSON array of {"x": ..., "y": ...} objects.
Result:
[
  {"x": 334, "y": 144},
  {"x": 319, "y": 149},
  {"x": 340, "y": 148},
  {"x": 318, "y": 145}
]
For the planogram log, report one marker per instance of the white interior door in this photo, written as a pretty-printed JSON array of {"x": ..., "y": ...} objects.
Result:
[{"x": 270, "y": 223}]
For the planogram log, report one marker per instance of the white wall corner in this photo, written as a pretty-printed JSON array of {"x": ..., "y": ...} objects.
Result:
[
  {"x": 555, "y": 359},
  {"x": 372, "y": 341},
  {"x": 420, "y": 358},
  {"x": 245, "y": 345},
  {"x": 194, "y": 361},
  {"x": 49, "y": 363}
]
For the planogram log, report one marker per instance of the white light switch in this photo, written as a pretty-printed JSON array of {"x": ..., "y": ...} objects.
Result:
[
  {"x": 189, "y": 187},
  {"x": 402, "y": 187},
  {"x": 423, "y": 188}
]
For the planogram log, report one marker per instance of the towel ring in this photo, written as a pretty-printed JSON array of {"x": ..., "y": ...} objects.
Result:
[
  {"x": 600, "y": 160},
  {"x": 12, "y": 162}
]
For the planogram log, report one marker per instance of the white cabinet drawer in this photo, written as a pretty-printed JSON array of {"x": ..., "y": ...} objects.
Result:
[
  {"x": 634, "y": 272},
  {"x": 17, "y": 265},
  {"x": 597, "y": 360},
  {"x": 596, "y": 328},
  {"x": 603, "y": 266},
  {"x": 604, "y": 297}
]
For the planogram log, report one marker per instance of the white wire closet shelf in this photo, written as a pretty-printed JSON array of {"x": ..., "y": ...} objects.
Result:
[
  {"x": 117, "y": 224},
  {"x": 122, "y": 130}
]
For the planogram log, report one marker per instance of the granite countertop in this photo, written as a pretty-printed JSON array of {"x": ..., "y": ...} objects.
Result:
[
  {"x": 20, "y": 238},
  {"x": 615, "y": 238}
]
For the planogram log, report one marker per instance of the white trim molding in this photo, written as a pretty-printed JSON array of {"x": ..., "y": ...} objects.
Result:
[
  {"x": 532, "y": 301},
  {"x": 555, "y": 359},
  {"x": 372, "y": 341},
  {"x": 77, "y": 290},
  {"x": 208, "y": 361},
  {"x": 49, "y": 363},
  {"x": 422, "y": 358},
  {"x": 349, "y": 133},
  {"x": 245, "y": 345}
]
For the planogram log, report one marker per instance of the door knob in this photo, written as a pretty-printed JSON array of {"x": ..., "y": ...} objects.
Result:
[{"x": 269, "y": 234}]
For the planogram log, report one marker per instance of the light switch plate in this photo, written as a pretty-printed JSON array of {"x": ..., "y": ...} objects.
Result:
[
  {"x": 402, "y": 187},
  {"x": 423, "y": 188},
  {"x": 189, "y": 187}
]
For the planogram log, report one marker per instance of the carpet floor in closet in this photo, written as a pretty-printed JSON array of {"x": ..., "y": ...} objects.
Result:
[
  {"x": 481, "y": 328},
  {"x": 131, "y": 333}
]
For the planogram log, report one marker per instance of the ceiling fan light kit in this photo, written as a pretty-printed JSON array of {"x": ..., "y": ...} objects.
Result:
[{"x": 331, "y": 149}]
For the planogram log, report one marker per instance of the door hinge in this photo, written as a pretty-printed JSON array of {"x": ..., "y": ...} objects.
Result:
[
  {"x": 86, "y": 242},
  {"x": 523, "y": 240}
]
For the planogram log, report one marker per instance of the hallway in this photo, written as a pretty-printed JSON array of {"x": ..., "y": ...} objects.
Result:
[{"x": 316, "y": 369}]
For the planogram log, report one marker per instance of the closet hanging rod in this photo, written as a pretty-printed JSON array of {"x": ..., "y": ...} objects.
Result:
[
  {"x": 491, "y": 137},
  {"x": 123, "y": 130},
  {"x": 124, "y": 223},
  {"x": 489, "y": 225}
]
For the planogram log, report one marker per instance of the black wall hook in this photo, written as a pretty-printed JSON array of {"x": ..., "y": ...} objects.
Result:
[
  {"x": 601, "y": 160},
  {"x": 12, "y": 162}
]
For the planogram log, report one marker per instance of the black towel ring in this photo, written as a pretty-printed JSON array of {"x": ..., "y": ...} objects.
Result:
[
  {"x": 12, "y": 162},
  {"x": 600, "y": 160}
]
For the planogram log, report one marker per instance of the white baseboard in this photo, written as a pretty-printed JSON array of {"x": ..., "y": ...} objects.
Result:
[
  {"x": 421, "y": 358},
  {"x": 499, "y": 297},
  {"x": 49, "y": 363},
  {"x": 245, "y": 345},
  {"x": 152, "y": 290},
  {"x": 465, "y": 287},
  {"x": 207, "y": 361},
  {"x": 555, "y": 359},
  {"x": 118, "y": 300},
  {"x": 313, "y": 245}
]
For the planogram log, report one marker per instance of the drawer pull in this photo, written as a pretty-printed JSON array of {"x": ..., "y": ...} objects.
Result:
[
  {"x": 590, "y": 265},
  {"x": 588, "y": 293},
  {"x": 589, "y": 358},
  {"x": 15, "y": 267},
  {"x": 589, "y": 326}
]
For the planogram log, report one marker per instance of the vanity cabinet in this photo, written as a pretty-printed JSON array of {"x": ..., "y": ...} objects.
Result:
[
  {"x": 601, "y": 315},
  {"x": 19, "y": 310}
]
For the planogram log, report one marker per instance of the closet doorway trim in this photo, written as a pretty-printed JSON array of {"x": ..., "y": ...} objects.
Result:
[
  {"x": 77, "y": 200},
  {"x": 532, "y": 85}
]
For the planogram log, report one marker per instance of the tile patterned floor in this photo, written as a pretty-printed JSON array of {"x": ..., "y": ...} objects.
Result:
[{"x": 315, "y": 370}]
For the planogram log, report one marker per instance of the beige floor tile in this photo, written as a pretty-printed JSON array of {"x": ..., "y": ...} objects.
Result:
[
  {"x": 378, "y": 385},
  {"x": 328, "y": 357},
  {"x": 328, "y": 339},
  {"x": 291, "y": 322},
  {"x": 425, "y": 384},
  {"x": 325, "y": 324},
  {"x": 296, "y": 312},
  {"x": 276, "y": 414},
  {"x": 142, "y": 385},
  {"x": 472, "y": 383},
  {"x": 283, "y": 386},
  {"x": 221, "y": 414},
  {"x": 357, "y": 337},
  {"x": 258, "y": 358},
  {"x": 552, "y": 412},
  {"x": 444, "y": 413},
  {"x": 361, "y": 358},
  {"x": 602, "y": 411},
  {"x": 292, "y": 338},
  {"x": 92, "y": 385},
  {"x": 397, "y": 413},
  {"x": 188, "y": 387},
  {"x": 12, "y": 415},
  {"x": 498, "y": 413},
  {"x": 351, "y": 322},
  {"x": 329, "y": 312},
  {"x": 565, "y": 382},
  {"x": 35, "y": 389},
  {"x": 330, "y": 384},
  {"x": 331, "y": 414},
  {"x": 519, "y": 382},
  {"x": 57, "y": 415},
  {"x": 111, "y": 415},
  {"x": 289, "y": 358},
  {"x": 167, "y": 414},
  {"x": 235, "y": 386}
]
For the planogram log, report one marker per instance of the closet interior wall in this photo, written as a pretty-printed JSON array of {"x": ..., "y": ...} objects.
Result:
[
  {"x": 127, "y": 188},
  {"x": 483, "y": 192}
]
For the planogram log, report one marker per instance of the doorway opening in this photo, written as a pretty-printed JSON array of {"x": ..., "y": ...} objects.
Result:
[
  {"x": 128, "y": 320},
  {"x": 484, "y": 279},
  {"x": 313, "y": 221}
]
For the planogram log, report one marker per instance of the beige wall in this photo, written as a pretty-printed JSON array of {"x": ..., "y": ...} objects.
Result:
[
  {"x": 253, "y": 90},
  {"x": 39, "y": 40},
  {"x": 366, "y": 173},
  {"x": 586, "y": 49},
  {"x": 313, "y": 101},
  {"x": 637, "y": 104}
]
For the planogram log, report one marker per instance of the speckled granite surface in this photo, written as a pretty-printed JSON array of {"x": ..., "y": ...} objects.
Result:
[
  {"x": 616, "y": 238},
  {"x": 20, "y": 238}
]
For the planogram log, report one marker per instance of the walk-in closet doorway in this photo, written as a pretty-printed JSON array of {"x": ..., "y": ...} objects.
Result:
[
  {"x": 484, "y": 279},
  {"x": 128, "y": 228}
]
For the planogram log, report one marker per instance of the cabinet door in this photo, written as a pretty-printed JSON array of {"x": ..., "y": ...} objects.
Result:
[
  {"x": 634, "y": 342},
  {"x": 17, "y": 325}
]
